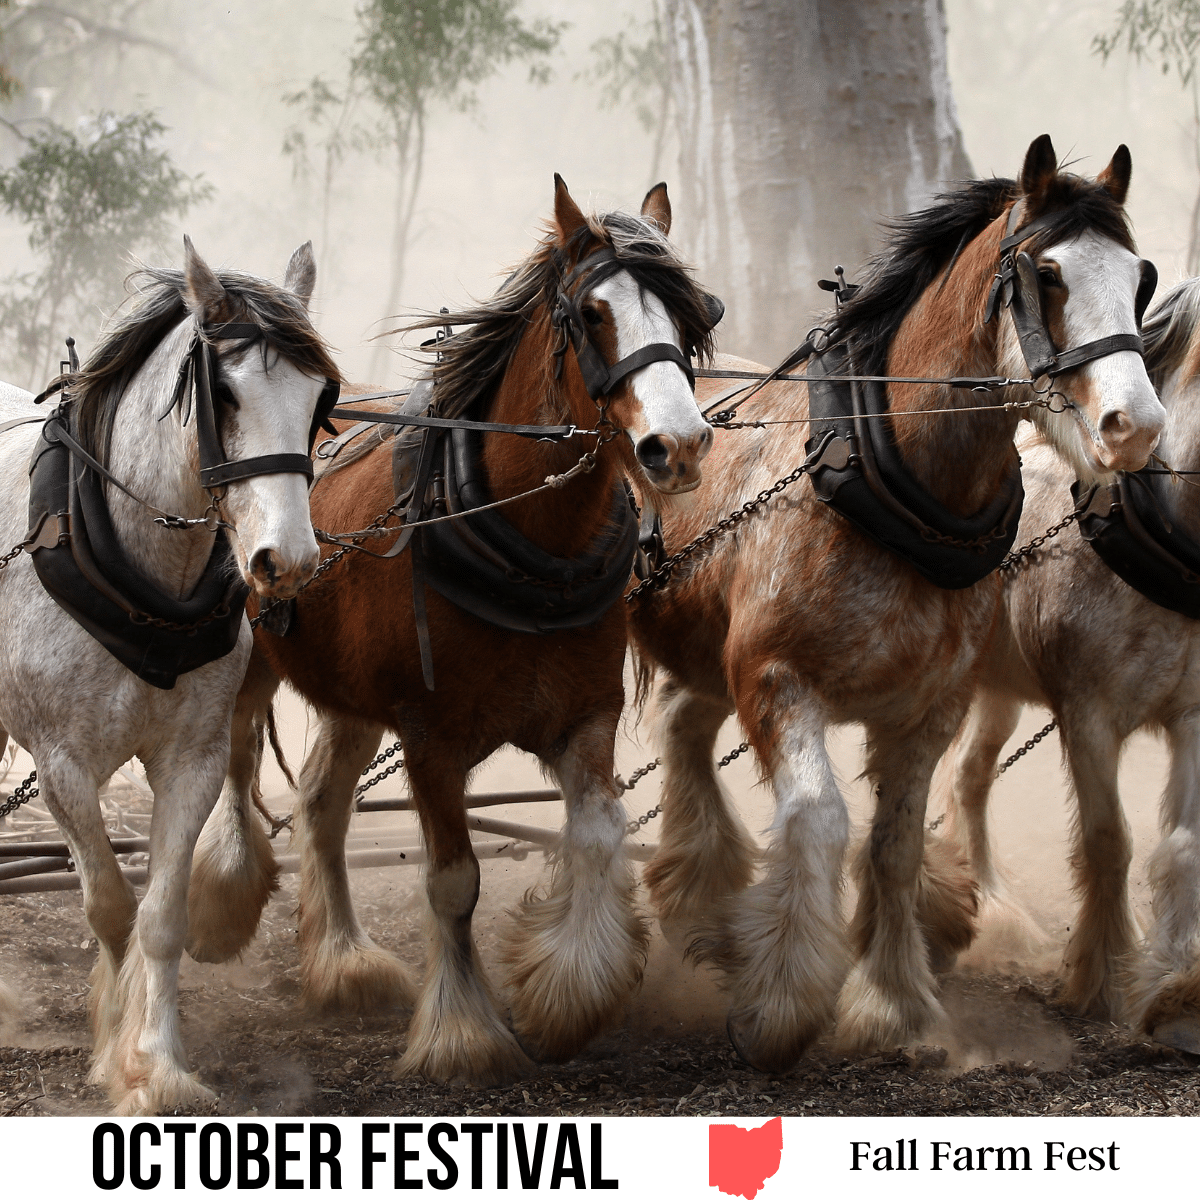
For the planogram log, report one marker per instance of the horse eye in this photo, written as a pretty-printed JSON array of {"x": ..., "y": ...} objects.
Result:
[
  {"x": 593, "y": 316},
  {"x": 224, "y": 394},
  {"x": 1049, "y": 277}
]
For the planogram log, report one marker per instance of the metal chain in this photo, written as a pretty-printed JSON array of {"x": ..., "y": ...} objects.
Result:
[
  {"x": 24, "y": 792},
  {"x": 1010, "y": 560},
  {"x": 378, "y": 760},
  {"x": 661, "y": 576},
  {"x": 645, "y": 818},
  {"x": 1025, "y": 749}
]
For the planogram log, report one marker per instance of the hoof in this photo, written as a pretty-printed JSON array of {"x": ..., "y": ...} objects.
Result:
[
  {"x": 1182, "y": 1033},
  {"x": 498, "y": 1064},
  {"x": 769, "y": 1061}
]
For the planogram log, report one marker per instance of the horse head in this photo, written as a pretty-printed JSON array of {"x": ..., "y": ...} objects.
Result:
[
  {"x": 636, "y": 317},
  {"x": 1082, "y": 282},
  {"x": 268, "y": 392}
]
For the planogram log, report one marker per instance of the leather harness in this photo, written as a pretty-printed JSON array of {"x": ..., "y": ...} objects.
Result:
[
  {"x": 1126, "y": 524},
  {"x": 77, "y": 554},
  {"x": 859, "y": 471},
  {"x": 482, "y": 563}
]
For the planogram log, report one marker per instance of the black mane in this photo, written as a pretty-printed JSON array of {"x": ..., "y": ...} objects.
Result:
[
  {"x": 474, "y": 359},
  {"x": 101, "y": 382},
  {"x": 922, "y": 244}
]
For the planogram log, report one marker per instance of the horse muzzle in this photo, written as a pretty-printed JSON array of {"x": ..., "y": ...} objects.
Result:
[
  {"x": 672, "y": 463},
  {"x": 276, "y": 576},
  {"x": 1126, "y": 436}
]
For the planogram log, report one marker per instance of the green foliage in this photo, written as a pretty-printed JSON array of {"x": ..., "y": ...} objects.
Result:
[
  {"x": 90, "y": 199},
  {"x": 1165, "y": 31},
  {"x": 632, "y": 65},
  {"x": 409, "y": 55},
  {"x": 411, "y": 52}
]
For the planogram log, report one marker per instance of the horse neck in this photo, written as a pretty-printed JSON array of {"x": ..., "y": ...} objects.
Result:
[
  {"x": 160, "y": 461},
  {"x": 1180, "y": 442},
  {"x": 563, "y": 521},
  {"x": 959, "y": 459}
]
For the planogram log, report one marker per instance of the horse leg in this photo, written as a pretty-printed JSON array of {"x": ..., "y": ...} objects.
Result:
[
  {"x": 1165, "y": 992},
  {"x": 991, "y": 722},
  {"x": 781, "y": 942},
  {"x": 234, "y": 871},
  {"x": 341, "y": 968},
  {"x": 148, "y": 1070},
  {"x": 1105, "y": 930},
  {"x": 705, "y": 853},
  {"x": 890, "y": 995},
  {"x": 577, "y": 952},
  {"x": 109, "y": 901},
  {"x": 456, "y": 1035}
]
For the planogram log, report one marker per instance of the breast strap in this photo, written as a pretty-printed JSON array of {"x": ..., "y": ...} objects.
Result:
[{"x": 862, "y": 476}]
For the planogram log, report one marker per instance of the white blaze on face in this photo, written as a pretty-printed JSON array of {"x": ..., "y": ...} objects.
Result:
[
  {"x": 1118, "y": 416},
  {"x": 274, "y": 535},
  {"x": 669, "y": 435}
]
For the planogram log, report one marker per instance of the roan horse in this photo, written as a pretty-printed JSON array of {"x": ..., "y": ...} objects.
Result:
[
  {"x": 1107, "y": 661},
  {"x": 576, "y": 952},
  {"x": 78, "y": 711},
  {"x": 800, "y": 621}
]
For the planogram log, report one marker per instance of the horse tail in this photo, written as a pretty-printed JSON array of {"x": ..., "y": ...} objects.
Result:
[{"x": 277, "y": 750}]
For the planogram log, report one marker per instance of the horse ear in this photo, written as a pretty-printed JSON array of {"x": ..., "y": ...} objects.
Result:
[
  {"x": 1041, "y": 166},
  {"x": 301, "y": 274},
  {"x": 1115, "y": 177},
  {"x": 657, "y": 207},
  {"x": 567, "y": 216},
  {"x": 202, "y": 290}
]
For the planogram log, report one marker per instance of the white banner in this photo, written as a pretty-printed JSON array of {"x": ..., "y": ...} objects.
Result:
[{"x": 635, "y": 1156}]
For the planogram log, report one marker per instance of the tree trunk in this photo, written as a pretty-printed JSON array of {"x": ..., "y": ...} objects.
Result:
[{"x": 802, "y": 123}]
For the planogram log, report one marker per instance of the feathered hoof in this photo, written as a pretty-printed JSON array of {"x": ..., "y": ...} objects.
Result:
[
  {"x": 362, "y": 980},
  {"x": 1181, "y": 1033},
  {"x": 495, "y": 1060},
  {"x": 163, "y": 1090},
  {"x": 765, "y": 1051},
  {"x": 870, "y": 1020},
  {"x": 225, "y": 903}
]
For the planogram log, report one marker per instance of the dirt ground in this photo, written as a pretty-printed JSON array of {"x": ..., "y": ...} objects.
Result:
[{"x": 1006, "y": 1048}]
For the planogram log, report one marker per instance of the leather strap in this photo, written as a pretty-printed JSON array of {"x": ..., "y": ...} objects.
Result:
[
  {"x": 541, "y": 433},
  {"x": 1069, "y": 359},
  {"x": 20, "y": 421},
  {"x": 249, "y": 468}
]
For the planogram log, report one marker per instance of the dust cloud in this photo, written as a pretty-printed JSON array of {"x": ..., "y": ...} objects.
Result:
[{"x": 1018, "y": 68}]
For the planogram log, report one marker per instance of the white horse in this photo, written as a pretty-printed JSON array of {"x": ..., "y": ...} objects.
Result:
[
  {"x": 72, "y": 705},
  {"x": 1107, "y": 662}
]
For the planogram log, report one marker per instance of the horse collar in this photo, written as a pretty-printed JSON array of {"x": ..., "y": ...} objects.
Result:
[
  {"x": 1018, "y": 285},
  {"x": 1125, "y": 523}
]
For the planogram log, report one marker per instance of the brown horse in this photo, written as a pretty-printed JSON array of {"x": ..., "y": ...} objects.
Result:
[
  {"x": 1107, "y": 660},
  {"x": 577, "y": 951},
  {"x": 801, "y": 621}
]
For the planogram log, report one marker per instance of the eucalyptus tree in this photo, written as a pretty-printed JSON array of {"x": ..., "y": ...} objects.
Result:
[
  {"x": 409, "y": 56},
  {"x": 801, "y": 123},
  {"x": 90, "y": 198},
  {"x": 1166, "y": 33}
]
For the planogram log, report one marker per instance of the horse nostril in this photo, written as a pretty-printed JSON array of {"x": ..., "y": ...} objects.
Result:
[
  {"x": 1114, "y": 423},
  {"x": 263, "y": 565},
  {"x": 652, "y": 453}
]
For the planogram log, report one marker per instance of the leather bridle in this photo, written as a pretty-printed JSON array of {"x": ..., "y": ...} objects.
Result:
[
  {"x": 197, "y": 379},
  {"x": 1018, "y": 286},
  {"x": 598, "y": 377},
  {"x": 215, "y": 469}
]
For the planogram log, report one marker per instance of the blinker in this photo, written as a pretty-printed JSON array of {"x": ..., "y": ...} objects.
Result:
[{"x": 1145, "y": 292}]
